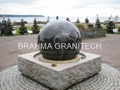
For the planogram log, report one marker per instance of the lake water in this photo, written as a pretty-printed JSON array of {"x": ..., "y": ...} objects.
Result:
[{"x": 72, "y": 19}]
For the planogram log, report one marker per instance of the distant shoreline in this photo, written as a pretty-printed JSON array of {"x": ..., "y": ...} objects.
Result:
[{"x": 10, "y": 15}]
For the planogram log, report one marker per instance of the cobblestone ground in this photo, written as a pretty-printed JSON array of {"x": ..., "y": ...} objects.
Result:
[
  {"x": 12, "y": 79},
  {"x": 110, "y": 48}
]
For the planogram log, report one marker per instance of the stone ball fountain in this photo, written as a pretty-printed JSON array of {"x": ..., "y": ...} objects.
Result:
[
  {"x": 61, "y": 36},
  {"x": 59, "y": 63}
]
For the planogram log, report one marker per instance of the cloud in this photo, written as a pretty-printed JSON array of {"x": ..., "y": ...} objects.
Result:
[
  {"x": 61, "y": 7},
  {"x": 16, "y": 1}
]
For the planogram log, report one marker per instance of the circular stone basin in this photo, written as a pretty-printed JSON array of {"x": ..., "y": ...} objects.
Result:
[
  {"x": 39, "y": 57},
  {"x": 59, "y": 40}
]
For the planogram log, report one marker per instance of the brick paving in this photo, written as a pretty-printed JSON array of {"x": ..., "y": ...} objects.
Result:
[{"x": 9, "y": 48}]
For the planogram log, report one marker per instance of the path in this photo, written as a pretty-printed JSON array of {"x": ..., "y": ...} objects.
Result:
[{"x": 110, "y": 49}]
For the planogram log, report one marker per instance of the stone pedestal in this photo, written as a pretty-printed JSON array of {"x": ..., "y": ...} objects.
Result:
[{"x": 62, "y": 75}]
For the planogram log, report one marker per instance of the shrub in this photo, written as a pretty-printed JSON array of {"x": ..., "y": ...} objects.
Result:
[
  {"x": 110, "y": 26},
  {"x": 81, "y": 26},
  {"x": 90, "y": 25},
  {"x": 98, "y": 23},
  {"x": 6, "y": 27},
  {"x": 35, "y": 27},
  {"x": 4, "y": 22},
  {"x": 9, "y": 28},
  {"x": 118, "y": 28},
  {"x": 0, "y": 27},
  {"x": 103, "y": 27},
  {"x": 22, "y": 29}
]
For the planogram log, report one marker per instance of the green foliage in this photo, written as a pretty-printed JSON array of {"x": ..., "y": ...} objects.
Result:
[
  {"x": 110, "y": 26},
  {"x": 17, "y": 30},
  {"x": 80, "y": 26},
  {"x": 22, "y": 29},
  {"x": 29, "y": 27},
  {"x": 98, "y": 23},
  {"x": 118, "y": 28},
  {"x": 4, "y": 22},
  {"x": 117, "y": 33},
  {"x": 103, "y": 27},
  {"x": 0, "y": 27},
  {"x": 9, "y": 28},
  {"x": 6, "y": 27},
  {"x": 40, "y": 27},
  {"x": 90, "y": 25},
  {"x": 35, "y": 27},
  {"x": 86, "y": 20}
]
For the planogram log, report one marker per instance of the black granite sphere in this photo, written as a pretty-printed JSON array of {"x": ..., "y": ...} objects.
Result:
[{"x": 59, "y": 40}]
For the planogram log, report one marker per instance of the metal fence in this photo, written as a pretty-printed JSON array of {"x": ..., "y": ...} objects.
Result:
[{"x": 93, "y": 34}]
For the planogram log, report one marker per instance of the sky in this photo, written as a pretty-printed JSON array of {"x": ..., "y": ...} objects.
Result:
[{"x": 80, "y": 8}]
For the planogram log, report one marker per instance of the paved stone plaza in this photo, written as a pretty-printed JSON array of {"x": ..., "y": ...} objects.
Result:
[
  {"x": 12, "y": 79},
  {"x": 9, "y": 48},
  {"x": 107, "y": 79}
]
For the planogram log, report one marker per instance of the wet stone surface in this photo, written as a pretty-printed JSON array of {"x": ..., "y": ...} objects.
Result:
[{"x": 59, "y": 40}]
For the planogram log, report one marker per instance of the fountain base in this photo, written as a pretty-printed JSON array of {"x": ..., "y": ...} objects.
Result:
[{"x": 59, "y": 75}]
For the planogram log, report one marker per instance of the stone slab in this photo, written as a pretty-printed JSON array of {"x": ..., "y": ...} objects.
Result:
[
  {"x": 107, "y": 79},
  {"x": 63, "y": 75}
]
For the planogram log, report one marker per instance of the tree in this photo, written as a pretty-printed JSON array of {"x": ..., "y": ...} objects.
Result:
[
  {"x": 77, "y": 21},
  {"x": 0, "y": 27},
  {"x": 22, "y": 29},
  {"x": 86, "y": 20},
  {"x": 4, "y": 23},
  {"x": 110, "y": 26},
  {"x": 98, "y": 23},
  {"x": 8, "y": 28},
  {"x": 35, "y": 27}
]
